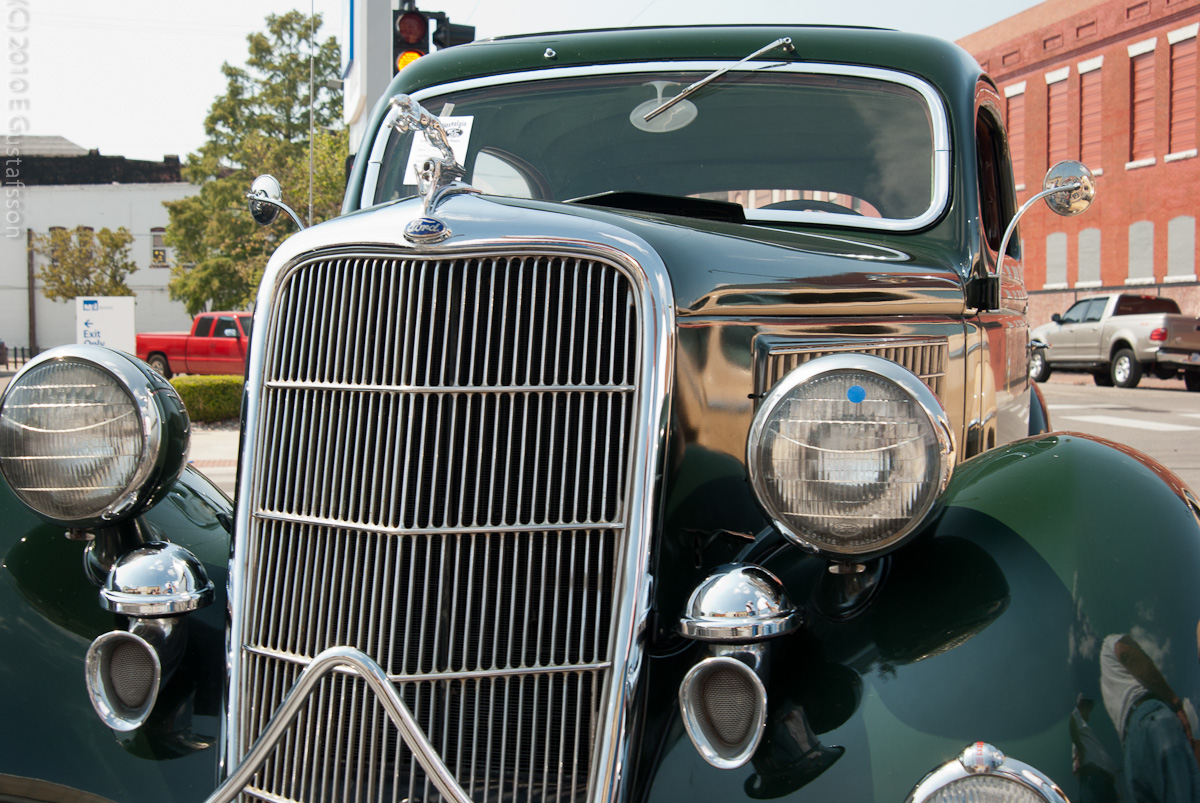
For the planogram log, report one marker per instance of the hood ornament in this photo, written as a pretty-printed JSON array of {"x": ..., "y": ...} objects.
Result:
[{"x": 438, "y": 178}]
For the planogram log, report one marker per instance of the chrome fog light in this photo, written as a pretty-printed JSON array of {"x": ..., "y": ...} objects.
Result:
[
  {"x": 848, "y": 454},
  {"x": 88, "y": 436},
  {"x": 737, "y": 604},
  {"x": 724, "y": 706},
  {"x": 158, "y": 579},
  {"x": 154, "y": 586},
  {"x": 982, "y": 774}
]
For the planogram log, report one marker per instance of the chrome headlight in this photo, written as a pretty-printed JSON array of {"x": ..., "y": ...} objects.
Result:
[
  {"x": 982, "y": 773},
  {"x": 848, "y": 454},
  {"x": 88, "y": 436}
]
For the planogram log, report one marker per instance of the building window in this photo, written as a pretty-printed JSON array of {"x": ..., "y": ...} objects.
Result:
[
  {"x": 1181, "y": 249},
  {"x": 1089, "y": 258},
  {"x": 1056, "y": 261},
  {"x": 158, "y": 248},
  {"x": 1014, "y": 114},
  {"x": 1141, "y": 104},
  {"x": 1141, "y": 253},
  {"x": 1056, "y": 115},
  {"x": 1090, "y": 114},
  {"x": 1183, "y": 93}
]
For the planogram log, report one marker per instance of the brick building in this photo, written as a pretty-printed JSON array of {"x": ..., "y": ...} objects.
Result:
[{"x": 1112, "y": 83}]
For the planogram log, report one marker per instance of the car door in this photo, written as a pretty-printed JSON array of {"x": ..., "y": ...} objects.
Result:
[
  {"x": 1062, "y": 337},
  {"x": 228, "y": 356},
  {"x": 199, "y": 346},
  {"x": 1087, "y": 332}
]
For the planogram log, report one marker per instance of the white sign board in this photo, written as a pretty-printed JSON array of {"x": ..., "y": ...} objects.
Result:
[{"x": 106, "y": 321}]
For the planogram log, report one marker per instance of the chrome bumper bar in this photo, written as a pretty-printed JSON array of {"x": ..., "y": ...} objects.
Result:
[{"x": 325, "y": 662}]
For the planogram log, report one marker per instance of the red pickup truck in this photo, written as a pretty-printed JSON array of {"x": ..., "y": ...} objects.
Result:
[{"x": 217, "y": 344}]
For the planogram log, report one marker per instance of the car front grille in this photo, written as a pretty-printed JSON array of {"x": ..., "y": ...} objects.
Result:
[{"x": 440, "y": 480}]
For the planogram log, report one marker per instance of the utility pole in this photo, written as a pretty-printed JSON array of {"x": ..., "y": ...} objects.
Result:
[{"x": 32, "y": 294}]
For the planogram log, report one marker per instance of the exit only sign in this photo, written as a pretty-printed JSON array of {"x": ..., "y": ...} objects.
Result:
[{"x": 106, "y": 321}]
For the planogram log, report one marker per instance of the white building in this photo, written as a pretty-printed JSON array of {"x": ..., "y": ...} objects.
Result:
[{"x": 57, "y": 183}]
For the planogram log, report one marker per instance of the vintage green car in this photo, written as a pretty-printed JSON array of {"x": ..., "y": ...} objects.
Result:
[{"x": 654, "y": 425}]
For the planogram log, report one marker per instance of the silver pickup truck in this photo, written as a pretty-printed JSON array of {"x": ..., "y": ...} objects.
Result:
[{"x": 1118, "y": 338}]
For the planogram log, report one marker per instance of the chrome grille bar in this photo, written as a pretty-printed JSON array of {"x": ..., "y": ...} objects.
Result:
[{"x": 441, "y": 480}]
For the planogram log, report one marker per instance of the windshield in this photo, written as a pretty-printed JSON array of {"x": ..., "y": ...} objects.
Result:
[{"x": 784, "y": 145}]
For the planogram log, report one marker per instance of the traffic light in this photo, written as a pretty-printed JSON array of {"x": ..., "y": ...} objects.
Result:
[
  {"x": 449, "y": 34},
  {"x": 410, "y": 37}
]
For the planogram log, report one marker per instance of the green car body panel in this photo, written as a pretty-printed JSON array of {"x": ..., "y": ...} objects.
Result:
[
  {"x": 985, "y": 625},
  {"x": 52, "y": 736}
]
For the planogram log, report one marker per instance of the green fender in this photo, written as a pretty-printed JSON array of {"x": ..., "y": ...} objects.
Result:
[
  {"x": 987, "y": 626},
  {"x": 53, "y": 746}
]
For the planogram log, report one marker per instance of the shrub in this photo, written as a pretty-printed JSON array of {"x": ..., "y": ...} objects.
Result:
[{"x": 210, "y": 398}]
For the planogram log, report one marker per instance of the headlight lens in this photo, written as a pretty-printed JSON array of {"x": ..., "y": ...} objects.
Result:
[
  {"x": 81, "y": 436},
  {"x": 848, "y": 454}
]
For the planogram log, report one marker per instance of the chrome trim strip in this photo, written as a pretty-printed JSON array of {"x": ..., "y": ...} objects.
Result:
[
  {"x": 407, "y": 677},
  {"x": 523, "y": 390},
  {"x": 366, "y": 527},
  {"x": 655, "y": 369},
  {"x": 397, "y": 711},
  {"x": 940, "y": 123}
]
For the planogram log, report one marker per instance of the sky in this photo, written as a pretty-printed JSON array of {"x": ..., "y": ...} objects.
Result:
[{"x": 136, "y": 78}]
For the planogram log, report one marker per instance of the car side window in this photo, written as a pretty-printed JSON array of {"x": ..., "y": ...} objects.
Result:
[
  {"x": 204, "y": 327},
  {"x": 1076, "y": 312},
  {"x": 1095, "y": 310},
  {"x": 246, "y": 321},
  {"x": 224, "y": 327}
]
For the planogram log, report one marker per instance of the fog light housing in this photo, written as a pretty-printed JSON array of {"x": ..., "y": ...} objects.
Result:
[
  {"x": 848, "y": 454},
  {"x": 983, "y": 774},
  {"x": 90, "y": 436}
]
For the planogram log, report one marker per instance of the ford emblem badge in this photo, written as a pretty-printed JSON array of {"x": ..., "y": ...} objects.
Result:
[{"x": 426, "y": 230}]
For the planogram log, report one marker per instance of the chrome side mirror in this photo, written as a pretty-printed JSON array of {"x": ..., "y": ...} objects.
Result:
[
  {"x": 1069, "y": 189},
  {"x": 266, "y": 199},
  {"x": 1072, "y": 188}
]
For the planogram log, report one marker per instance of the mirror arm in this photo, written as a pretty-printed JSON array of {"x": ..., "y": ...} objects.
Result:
[
  {"x": 262, "y": 198},
  {"x": 1012, "y": 224}
]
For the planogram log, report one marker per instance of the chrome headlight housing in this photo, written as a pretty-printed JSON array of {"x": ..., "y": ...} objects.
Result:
[
  {"x": 983, "y": 773},
  {"x": 848, "y": 454},
  {"x": 90, "y": 436}
]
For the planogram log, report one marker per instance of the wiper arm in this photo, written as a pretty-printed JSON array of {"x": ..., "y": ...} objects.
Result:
[{"x": 785, "y": 43}]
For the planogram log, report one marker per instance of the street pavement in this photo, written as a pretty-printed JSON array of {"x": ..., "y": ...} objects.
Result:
[{"x": 214, "y": 452}]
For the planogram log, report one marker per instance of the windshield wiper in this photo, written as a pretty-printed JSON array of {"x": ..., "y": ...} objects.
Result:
[{"x": 785, "y": 43}]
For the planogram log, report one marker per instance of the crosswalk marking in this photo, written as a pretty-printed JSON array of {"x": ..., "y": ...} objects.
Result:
[{"x": 1128, "y": 422}]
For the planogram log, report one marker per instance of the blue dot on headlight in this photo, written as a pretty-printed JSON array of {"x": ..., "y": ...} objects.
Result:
[{"x": 856, "y": 393}]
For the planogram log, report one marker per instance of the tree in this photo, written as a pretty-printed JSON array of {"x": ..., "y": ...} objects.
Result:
[
  {"x": 260, "y": 125},
  {"x": 83, "y": 262}
]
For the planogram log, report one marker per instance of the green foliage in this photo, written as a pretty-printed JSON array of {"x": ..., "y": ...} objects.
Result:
[
  {"x": 210, "y": 398},
  {"x": 83, "y": 262},
  {"x": 260, "y": 125}
]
